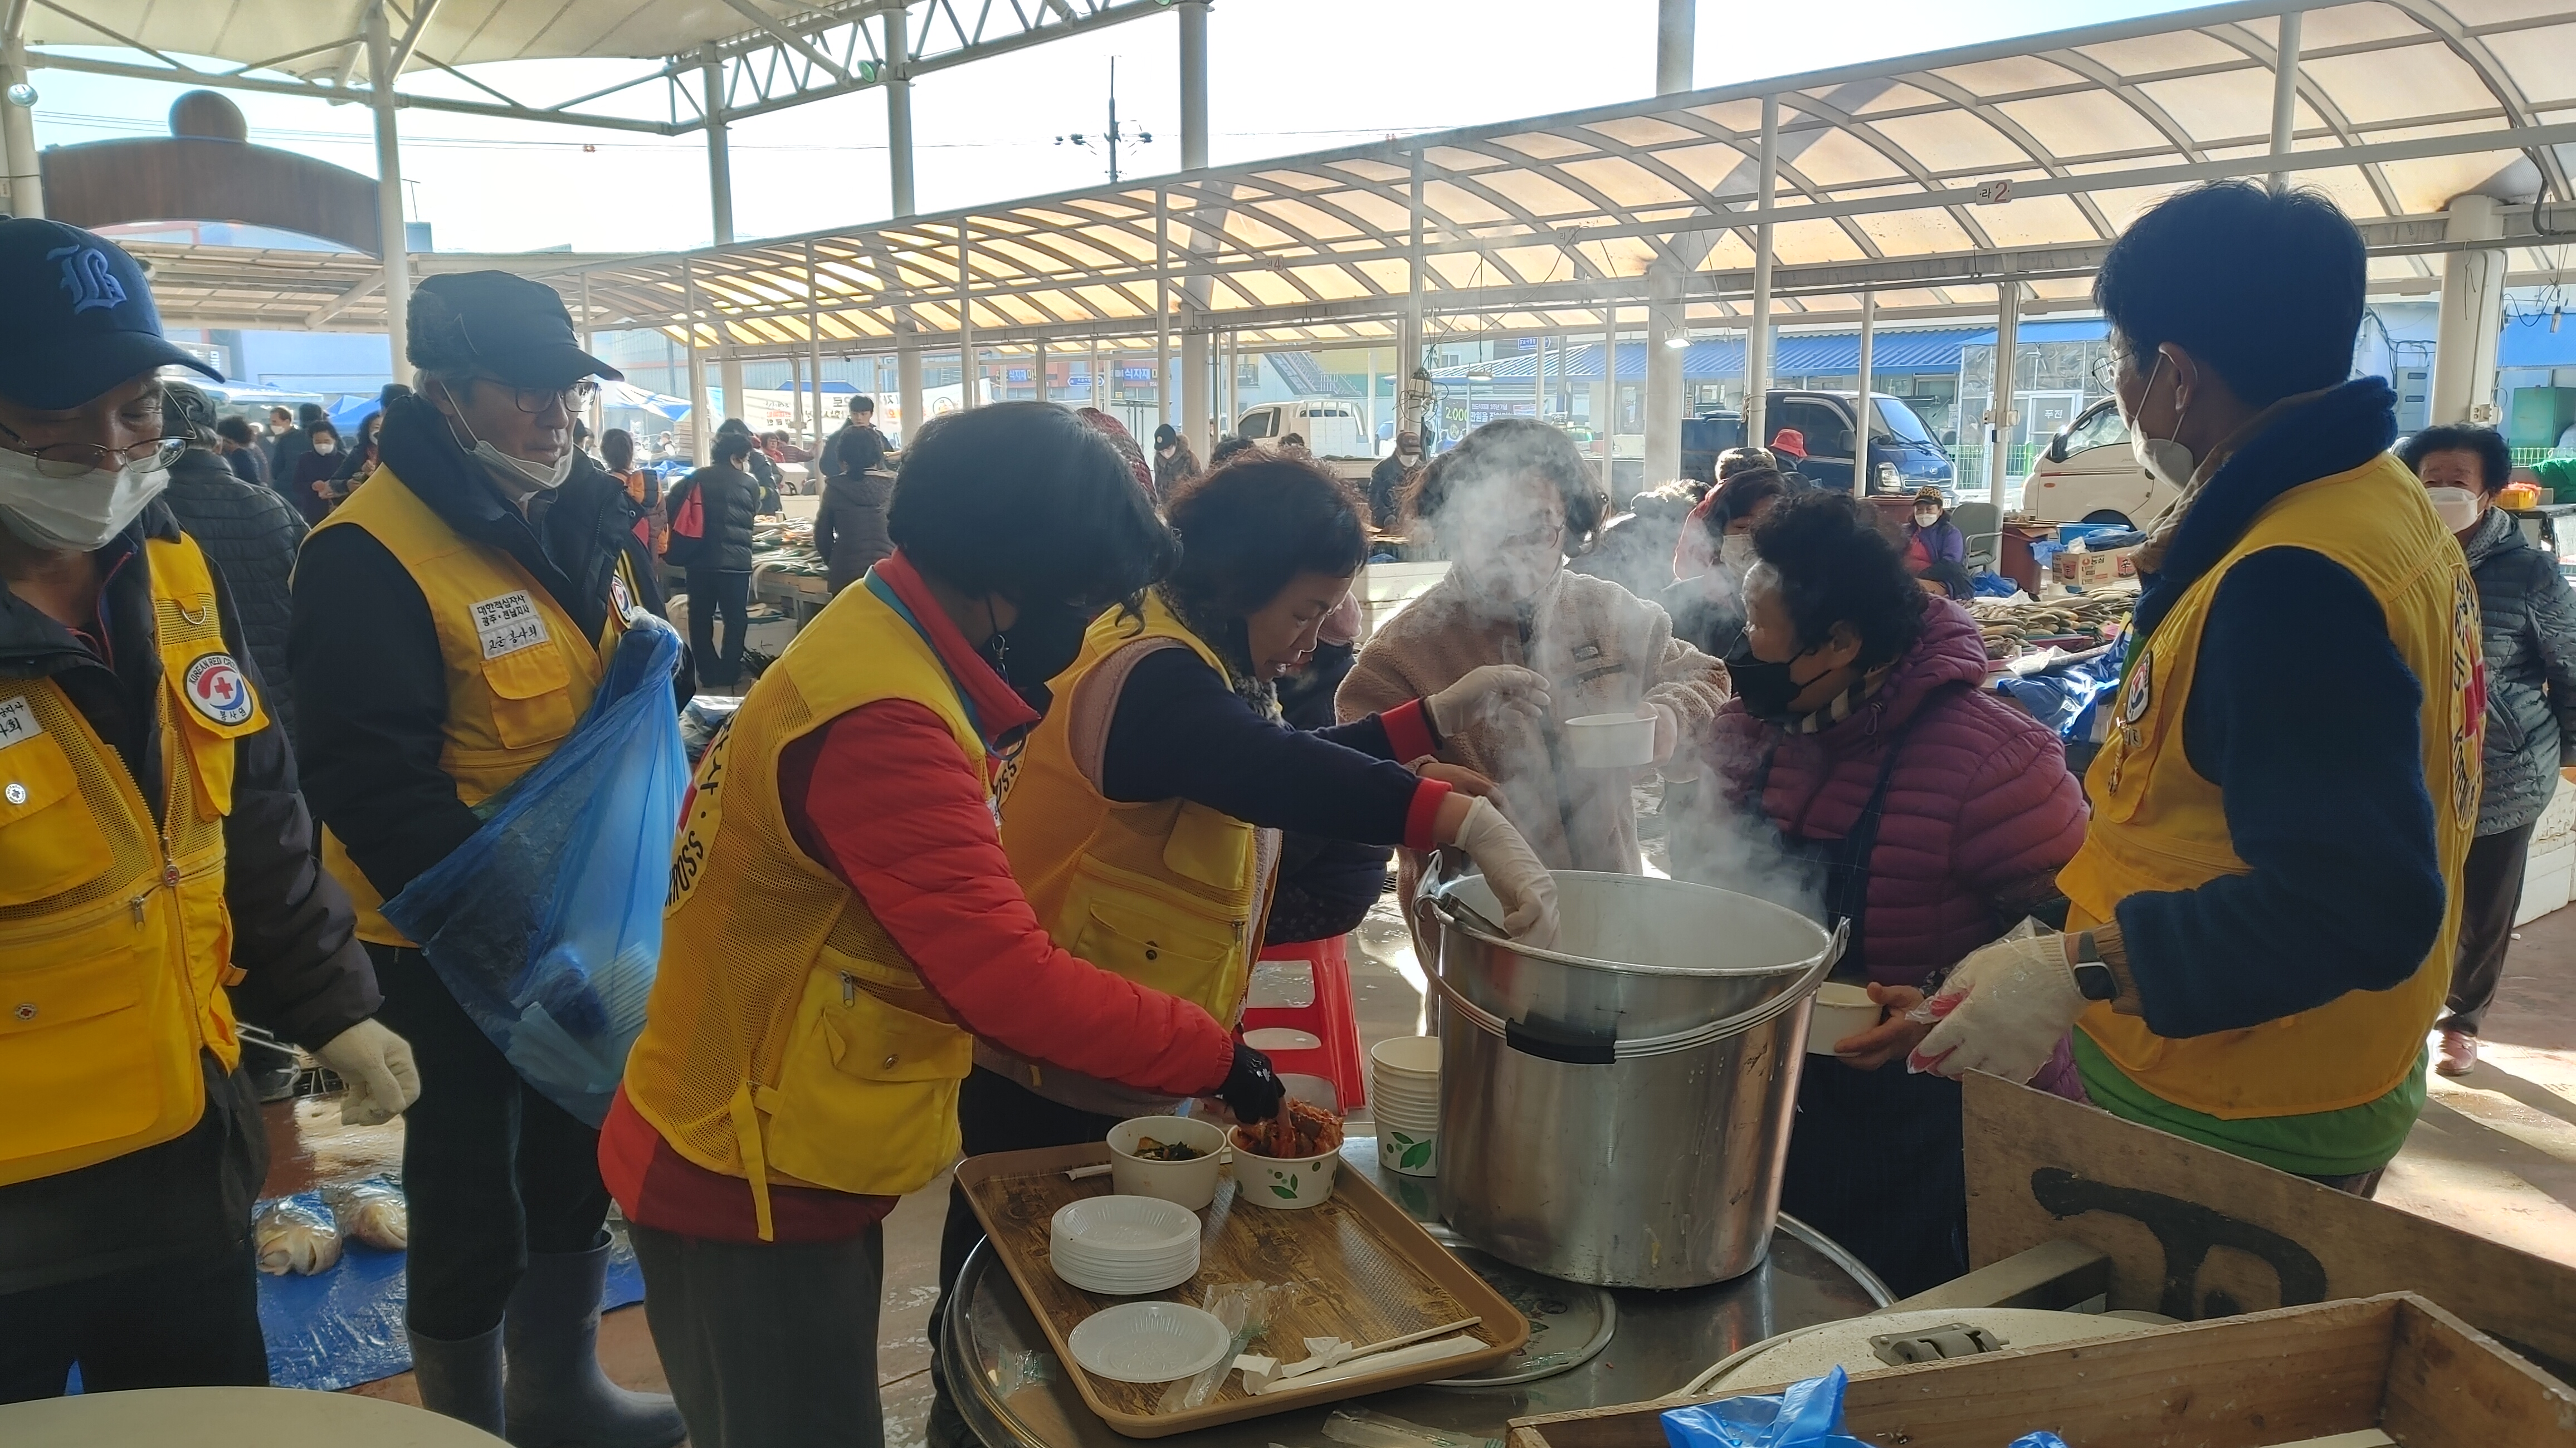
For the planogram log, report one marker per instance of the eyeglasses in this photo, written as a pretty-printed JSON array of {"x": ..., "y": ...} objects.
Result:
[
  {"x": 72, "y": 459},
  {"x": 2106, "y": 373},
  {"x": 538, "y": 400}
]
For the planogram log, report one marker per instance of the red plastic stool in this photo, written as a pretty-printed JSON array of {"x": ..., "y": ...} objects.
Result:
[{"x": 1328, "y": 1015}]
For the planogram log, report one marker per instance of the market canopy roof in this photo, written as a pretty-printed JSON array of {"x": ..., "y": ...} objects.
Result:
[{"x": 1537, "y": 226}]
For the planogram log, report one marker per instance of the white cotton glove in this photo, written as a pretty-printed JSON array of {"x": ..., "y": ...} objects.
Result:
[
  {"x": 2003, "y": 1011},
  {"x": 377, "y": 1066},
  {"x": 1668, "y": 729},
  {"x": 1486, "y": 691},
  {"x": 1526, "y": 888}
]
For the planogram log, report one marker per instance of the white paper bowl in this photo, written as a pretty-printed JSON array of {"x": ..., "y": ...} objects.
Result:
[
  {"x": 1285, "y": 1183},
  {"x": 1841, "y": 1010},
  {"x": 1190, "y": 1184},
  {"x": 1149, "y": 1342},
  {"x": 1610, "y": 741}
]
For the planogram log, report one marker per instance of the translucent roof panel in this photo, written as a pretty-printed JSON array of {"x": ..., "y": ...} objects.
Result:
[{"x": 1919, "y": 179}]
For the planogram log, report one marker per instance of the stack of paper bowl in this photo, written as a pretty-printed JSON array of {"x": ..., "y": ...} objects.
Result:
[
  {"x": 1404, "y": 1092},
  {"x": 1124, "y": 1246}
]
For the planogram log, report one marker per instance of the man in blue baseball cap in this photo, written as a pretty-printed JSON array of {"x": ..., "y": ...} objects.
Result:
[
  {"x": 156, "y": 862},
  {"x": 451, "y": 622}
]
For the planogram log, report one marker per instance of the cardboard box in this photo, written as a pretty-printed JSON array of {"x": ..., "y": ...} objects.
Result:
[
  {"x": 2395, "y": 1363},
  {"x": 2092, "y": 570}
]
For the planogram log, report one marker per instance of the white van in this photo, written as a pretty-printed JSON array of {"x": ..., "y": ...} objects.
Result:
[
  {"x": 2090, "y": 475},
  {"x": 1332, "y": 428}
]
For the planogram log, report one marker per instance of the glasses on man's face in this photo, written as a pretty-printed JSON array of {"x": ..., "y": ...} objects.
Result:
[
  {"x": 535, "y": 401},
  {"x": 72, "y": 459}
]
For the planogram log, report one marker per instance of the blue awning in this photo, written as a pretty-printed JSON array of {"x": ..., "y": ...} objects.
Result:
[{"x": 2085, "y": 329}]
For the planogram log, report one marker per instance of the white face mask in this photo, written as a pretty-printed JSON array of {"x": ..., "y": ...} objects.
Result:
[
  {"x": 74, "y": 514},
  {"x": 1735, "y": 553},
  {"x": 325, "y": 446},
  {"x": 519, "y": 471},
  {"x": 2164, "y": 459},
  {"x": 2456, "y": 507},
  {"x": 1926, "y": 520},
  {"x": 1407, "y": 455}
]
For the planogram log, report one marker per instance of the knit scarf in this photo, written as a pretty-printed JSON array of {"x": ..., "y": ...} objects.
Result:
[
  {"x": 1840, "y": 707},
  {"x": 1231, "y": 642}
]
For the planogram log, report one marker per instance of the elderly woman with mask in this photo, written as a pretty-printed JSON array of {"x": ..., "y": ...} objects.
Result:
[
  {"x": 2528, "y": 621},
  {"x": 1505, "y": 506},
  {"x": 1924, "y": 810}
]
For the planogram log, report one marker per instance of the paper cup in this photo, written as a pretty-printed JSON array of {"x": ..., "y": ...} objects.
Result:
[
  {"x": 1841, "y": 1010},
  {"x": 1611, "y": 741},
  {"x": 1408, "y": 1150}
]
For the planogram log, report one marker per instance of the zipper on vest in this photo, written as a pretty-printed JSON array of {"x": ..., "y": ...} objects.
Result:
[
  {"x": 849, "y": 989},
  {"x": 169, "y": 879}
]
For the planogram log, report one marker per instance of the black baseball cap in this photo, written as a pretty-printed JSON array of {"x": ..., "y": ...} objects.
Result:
[
  {"x": 76, "y": 316},
  {"x": 506, "y": 326}
]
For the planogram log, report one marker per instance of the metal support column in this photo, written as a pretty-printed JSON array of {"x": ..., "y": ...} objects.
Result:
[
  {"x": 1163, "y": 310},
  {"x": 701, "y": 428},
  {"x": 1194, "y": 88},
  {"x": 814, "y": 336},
  {"x": 2285, "y": 94},
  {"x": 2472, "y": 313},
  {"x": 1412, "y": 379},
  {"x": 1676, "y": 27},
  {"x": 969, "y": 394},
  {"x": 1538, "y": 378},
  {"x": 719, "y": 150},
  {"x": 1038, "y": 373},
  {"x": 1606, "y": 423},
  {"x": 594, "y": 411},
  {"x": 1999, "y": 432},
  {"x": 898, "y": 89},
  {"x": 1865, "y": 405},
  {"x": 392, "y": 243},
  {"x": 1663, "y": 461},
  {"x": 1757, "y": 337},
  {"x": 26, "y": 193}
]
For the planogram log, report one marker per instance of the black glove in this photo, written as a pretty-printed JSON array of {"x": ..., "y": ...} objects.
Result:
[{"x": 1251, "y": 1090}]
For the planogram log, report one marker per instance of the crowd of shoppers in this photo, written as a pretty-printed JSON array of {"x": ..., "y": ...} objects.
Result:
[{"x": 1063, "y": 712}]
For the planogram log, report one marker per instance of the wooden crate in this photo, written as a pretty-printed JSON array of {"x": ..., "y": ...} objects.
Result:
[
  {"x": 2395, "y": 1363},
  {"x": 1366, "y": 1273}
]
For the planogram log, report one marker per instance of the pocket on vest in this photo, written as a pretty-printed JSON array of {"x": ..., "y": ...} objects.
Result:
[
  {"x": 867, "y": 1093},
  {"x": 1153, "y": 944},
  {"x": 49, "y": 839},
  {"x": 531, "y": 696},
  {"x": 84, "y": 1052}
]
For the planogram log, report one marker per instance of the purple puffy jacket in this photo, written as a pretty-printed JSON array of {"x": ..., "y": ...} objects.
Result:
[{"x": 1980, "y": 811}]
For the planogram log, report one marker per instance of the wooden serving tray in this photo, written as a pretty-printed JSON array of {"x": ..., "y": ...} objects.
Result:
[{"x": 1365, "y": 1272}]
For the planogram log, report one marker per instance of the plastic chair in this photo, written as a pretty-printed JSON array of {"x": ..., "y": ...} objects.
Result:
[{"x": 1327, "y": 1014}]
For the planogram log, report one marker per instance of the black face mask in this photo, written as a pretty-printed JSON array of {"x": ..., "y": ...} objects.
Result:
[
  {"x": 1765, "y": 687},
  {"x": 1037, "y": 646}
]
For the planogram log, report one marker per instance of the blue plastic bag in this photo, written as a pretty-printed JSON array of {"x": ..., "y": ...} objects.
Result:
[
  {"x": 1806, "y": 1415},
  {"x": 546, "y": 924}
]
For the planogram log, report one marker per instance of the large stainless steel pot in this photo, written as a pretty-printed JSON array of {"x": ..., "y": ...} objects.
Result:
[{"x": 1616, "y": 1110}]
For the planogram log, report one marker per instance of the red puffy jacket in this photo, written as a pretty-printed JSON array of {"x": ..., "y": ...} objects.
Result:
[{"x": 1980, "y": 810}]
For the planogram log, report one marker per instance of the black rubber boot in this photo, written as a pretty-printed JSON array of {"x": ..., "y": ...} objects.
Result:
[
  {"x": 557, "y": 1396},
  {"x": 461, "y": 1380}
]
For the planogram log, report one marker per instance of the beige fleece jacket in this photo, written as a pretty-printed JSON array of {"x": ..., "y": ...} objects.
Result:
[{"x": 1603, "y": 650}]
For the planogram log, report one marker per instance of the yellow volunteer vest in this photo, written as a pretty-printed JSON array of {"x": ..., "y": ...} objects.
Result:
[
  {"x": 519, "y": 673},
  {"x": 115, "y": 945},
  {"x": 789, "y": 1039},
  {"x": 1162, "y": 893},
  {"x": 2157, "y": 825}
]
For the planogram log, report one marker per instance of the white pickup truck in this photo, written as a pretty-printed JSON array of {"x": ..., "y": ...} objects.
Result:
[{"x": 1336, "y": 432}]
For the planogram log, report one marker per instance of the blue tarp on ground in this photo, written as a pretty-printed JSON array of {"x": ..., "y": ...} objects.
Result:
[{"x": 344, "y": 1327}]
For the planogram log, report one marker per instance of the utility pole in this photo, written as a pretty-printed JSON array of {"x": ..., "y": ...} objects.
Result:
[{"x": 1114, "y": 137}]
